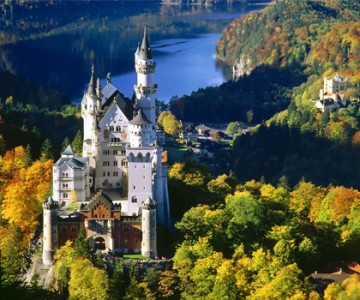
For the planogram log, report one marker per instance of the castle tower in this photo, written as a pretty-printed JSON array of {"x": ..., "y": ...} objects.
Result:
[
  {"x": 50, "y": 210},
  {"x": 90, "y": 105},
  {"x": 140, "y": 157},
  {"x": 148, "y": 246},
  {"x": 145, "y": 88}
]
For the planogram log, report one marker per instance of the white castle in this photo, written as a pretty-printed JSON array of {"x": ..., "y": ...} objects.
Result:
[{"x": 119, "y": 185}]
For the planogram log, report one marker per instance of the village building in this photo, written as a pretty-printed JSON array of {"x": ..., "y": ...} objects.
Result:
[{"x": 117, "y": 190}]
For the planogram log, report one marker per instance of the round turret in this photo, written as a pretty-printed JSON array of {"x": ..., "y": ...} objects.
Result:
[
  {"x": 148, "y": 246},
  {"x": 50, "y": 210}
]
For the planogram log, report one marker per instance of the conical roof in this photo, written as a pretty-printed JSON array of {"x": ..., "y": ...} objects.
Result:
[
  {"x": 145, "y": 50},
  {"x": 92, "y": 84},
  {"x": 68, "y": 151},
  {"x": 140, "y": 119}
]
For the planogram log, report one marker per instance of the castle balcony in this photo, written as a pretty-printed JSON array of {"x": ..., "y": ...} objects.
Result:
[
  {"x": 145, "y": 90},
  {"x": 115, "y": 144}
]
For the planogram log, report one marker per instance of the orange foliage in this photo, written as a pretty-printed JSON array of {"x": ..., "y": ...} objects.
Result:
[
  {"x": 342, "y": 202},
  {"x": 24, "y": 194}
]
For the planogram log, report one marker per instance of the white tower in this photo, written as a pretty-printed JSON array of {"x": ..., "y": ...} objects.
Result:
[
  {"x": 145, "y": 88},
  {"x": 148, "y": 246},
  {"x": 90, "y": 106},
  {"x": 50, "y": 210}
]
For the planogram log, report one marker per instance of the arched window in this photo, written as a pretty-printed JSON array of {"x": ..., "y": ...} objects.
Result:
[
  {"x": 118, "y": 128},
  {"x": 111, "y": 128},
  {"x": 134, "y": 199}
]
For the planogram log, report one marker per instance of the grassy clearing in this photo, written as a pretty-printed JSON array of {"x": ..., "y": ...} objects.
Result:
[
  {"x": 133, "y": 256},
  {"x": 73, "y": 206},
  {"x": 175, "y": 154}
]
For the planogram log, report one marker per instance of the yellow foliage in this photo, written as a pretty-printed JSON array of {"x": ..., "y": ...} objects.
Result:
[{"x": 24, "y": 194}]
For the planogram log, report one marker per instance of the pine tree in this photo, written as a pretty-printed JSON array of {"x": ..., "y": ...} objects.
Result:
[
  {"x": 82, "y": 247},
  {"x": 65, "y": 143},
  {"x": 27, "y": 158},
  {"x": 46, "y": 151},
  {"x": 118, "y": 282},
  {"x": 77, "y": 143}
]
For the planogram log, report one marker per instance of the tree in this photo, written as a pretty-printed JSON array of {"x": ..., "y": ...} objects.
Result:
[
  {"x": 82, "y": 247},
  {"x": 233, "y": 128},
  {"x": 24, "y": 194},
  {"x": 77, "y": 143},
  {"x": 87, "y": 282},
  {"x": 247, "y": 217},
  {"x": 46, "y": 151},
  {"x": 118, "y": 282},
  {"x": 168, "y": 282},
  {"x": 65, "y": 143},
  {"x": 64, "y": 259},
  {"x": 286, "y": 284},
  {"x": 169, "y": 123}
]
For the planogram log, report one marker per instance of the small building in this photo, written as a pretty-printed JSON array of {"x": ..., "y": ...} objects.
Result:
[{"x": 203, "y": 130}]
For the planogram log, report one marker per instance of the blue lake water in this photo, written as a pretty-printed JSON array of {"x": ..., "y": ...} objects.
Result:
[
  {"x": 185, "y": 65},
  {"x": 75, "y": 35}
]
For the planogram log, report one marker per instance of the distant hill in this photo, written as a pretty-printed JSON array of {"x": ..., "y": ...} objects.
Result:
[
  {"x": 283, "y": 34},
  {"x": 275, "y": 50}
]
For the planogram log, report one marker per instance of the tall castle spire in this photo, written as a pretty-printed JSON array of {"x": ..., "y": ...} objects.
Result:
[
  {"x": 145, "y": 50},
  {"x": 145, "y": 88},
  {"x": 92, "y": 84}
]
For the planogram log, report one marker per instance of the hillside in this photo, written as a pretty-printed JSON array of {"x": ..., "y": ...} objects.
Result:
[{"x": 283, "y": 34}]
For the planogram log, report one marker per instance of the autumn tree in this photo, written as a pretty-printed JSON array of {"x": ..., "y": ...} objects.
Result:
[
  {"x": 24, "y": 194},
  {"x": 169, "y": 123},
  {"x": 87, "y": 282}
]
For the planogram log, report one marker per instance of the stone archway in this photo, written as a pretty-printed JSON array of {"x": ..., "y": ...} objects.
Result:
[{"x": 99, "y": 243}]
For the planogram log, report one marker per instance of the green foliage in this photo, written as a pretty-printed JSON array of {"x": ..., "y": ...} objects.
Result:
[
  {"x": 46, "y": 151},
  {"x": 272, "y": 237},
  {"x": 232, "y": 100},
  {"x": 233, "y": 128},
  {"x": 81, "y": 244},
  {"x": 77, "y": 143}
]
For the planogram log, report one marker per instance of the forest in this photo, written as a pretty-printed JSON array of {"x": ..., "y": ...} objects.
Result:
[{"x": 289, "y": 207}]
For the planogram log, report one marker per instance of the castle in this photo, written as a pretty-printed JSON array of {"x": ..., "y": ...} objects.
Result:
[
  {"x": 332, "y": 96},
  {"x": 117, "y": 190}
]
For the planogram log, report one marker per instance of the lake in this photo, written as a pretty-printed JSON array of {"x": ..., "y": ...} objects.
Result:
[{"x": 59, "y": 44}]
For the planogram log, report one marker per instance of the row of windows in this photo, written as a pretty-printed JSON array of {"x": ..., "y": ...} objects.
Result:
[
  {"x": 65, "y": 185},
  {"x": 127, "y": 229},
  {"x": 106, "y": 163},
  {"x": 115, "y": 140},
  {"x": 64, "y": 229},
  {"x": 115, "y": 152},
  {"x": 115, "y": 173},
  {"x": 117, "y": 128},
  {"x": 107, "y": 184}
]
